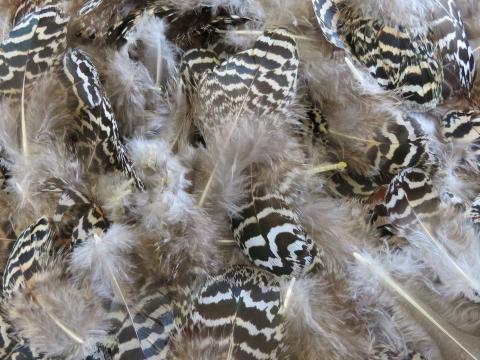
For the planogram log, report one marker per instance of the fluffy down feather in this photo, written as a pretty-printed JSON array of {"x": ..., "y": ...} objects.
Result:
[{"x": 159, "y": 273}]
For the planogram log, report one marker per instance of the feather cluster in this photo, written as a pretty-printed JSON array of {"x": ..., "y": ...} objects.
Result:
[{"x": 226, "y": 179}]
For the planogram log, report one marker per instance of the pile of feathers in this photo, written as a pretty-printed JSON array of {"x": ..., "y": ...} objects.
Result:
[{"x": 240, "y": 179}]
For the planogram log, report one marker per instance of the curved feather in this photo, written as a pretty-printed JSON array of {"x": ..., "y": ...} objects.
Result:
[
  {"x": 197, "y": 27},
  {"x": 34, "y": 45},
  {"x": 409, "y": 196},
  {"x": 270, "y": 233},
  {"x": 452, "y": 42},
  {"x": 461, "y": 126},
  {"x": 28, "y": 254},
  {"x": 240, "y": 311},
  {"x": 98, "y": 143},
  {"x": 397, "y": 58},
  {"x": 84, "y": 217},
  {"x": 148, "y": 332},
  {"x": 259, "y": 81}
]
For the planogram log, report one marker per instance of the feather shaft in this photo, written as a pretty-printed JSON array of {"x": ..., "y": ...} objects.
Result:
[{"x": 393, "y": 285}]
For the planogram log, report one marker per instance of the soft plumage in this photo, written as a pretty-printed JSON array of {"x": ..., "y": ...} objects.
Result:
[{"x": 226, "y": 179}]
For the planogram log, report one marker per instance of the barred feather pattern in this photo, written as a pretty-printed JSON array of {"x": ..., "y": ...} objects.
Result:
[
  {"x": 195, "y": 65},
  {"x": 26, "y": 255},
  {"x": 194, "y": 28},
  {"x": 352, "y": 184},
  {"x": 26, "y": 7},
  {"x": 87, "y": 217},
  {"x": 474, "y": 211},
  {"x": 156, "y": 322},
  {"x": 315, "y": 126},
  {"x": 5, "y": 172},
  {"x": 385, "y": 354},
  {"x": 241, "y": 310},
  {"x": 398, "y": 59},
  {"x": 98, "y": 143},
  {"x": 399, "y": 144},
  {"x": 271, "y": 235},
  {"x": 461, "y": 126},
  {"x": 34, "y": 46},
  {"x": 259, "y": 80},
  {"x": 455, "y": 50},
  {"x": 410, "y": 197}
]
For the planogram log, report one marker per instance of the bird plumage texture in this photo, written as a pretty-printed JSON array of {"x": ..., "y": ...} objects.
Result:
[{"x": 226, "y": 179}]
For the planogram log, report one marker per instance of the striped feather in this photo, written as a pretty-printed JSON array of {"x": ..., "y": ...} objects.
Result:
[
  {"x": 26, "y": 7},
  {"x": 194, "y": 28},
  {"x": 352, "y": 184},
  {"x": 454, "y": 48},
  {"x": 7, "y": 341},
  {"x": 33, "y": 47},
  {"x": 474, "y": 211},
  {"x": 463, "y": 128},
  {"x": 97, "y": 140},
  {"x": 27, "y": 255},
  {"x": 314, "y": 128},
  {"x": 155, "y": 324},
  {"x": 398, "y": 59},
  {"x": 386, "y": 354},
  {"x": 23, "y": 352},
  {"x": 410, "y": 198},
  {"x": 78, "y": 217},
  {"x": 195, "y": 65},
  {"x": 399, "y": 144},
  {"x": 240, "y": 310},
  {"x": 270, "y": 234},
  {"x": 260, "y": 80}
]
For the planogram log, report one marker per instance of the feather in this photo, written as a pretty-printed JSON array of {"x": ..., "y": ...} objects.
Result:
[
  {"x": 255, "y": 82},
  {"x": 156, "y": 323},
  {"x": 474, "y": 211},
  {"x": 455, "y": 51},
  {"x": 147, "y": 322},
  {"x": 461, "y": 129},
  {"x": 194, "y": 65},
  {"x": 387, "y": 354},
  {"x": 316, "y": 124},
  {"x": 467, "y": 349},
  {"x": 25, "y": 7},
  {"x": 87, "y": 217},
  {"x": 193, "y": 28},
  {"x": 99, "y": 144},
  {"x": 33, "y": 47},
  {"x": 409, "y": 197},
  {"x": 260, "y": 80},
  {"x": 399, "y": 144},
  {"x": 270, "y": 234},
  {"x": 240, "y": 311},
  {"x": 54, "y": 317},
  {"x": 7, "y": 340},
  {"x": 398, "y": 59},
  {"x": 26, "y": 256}
]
